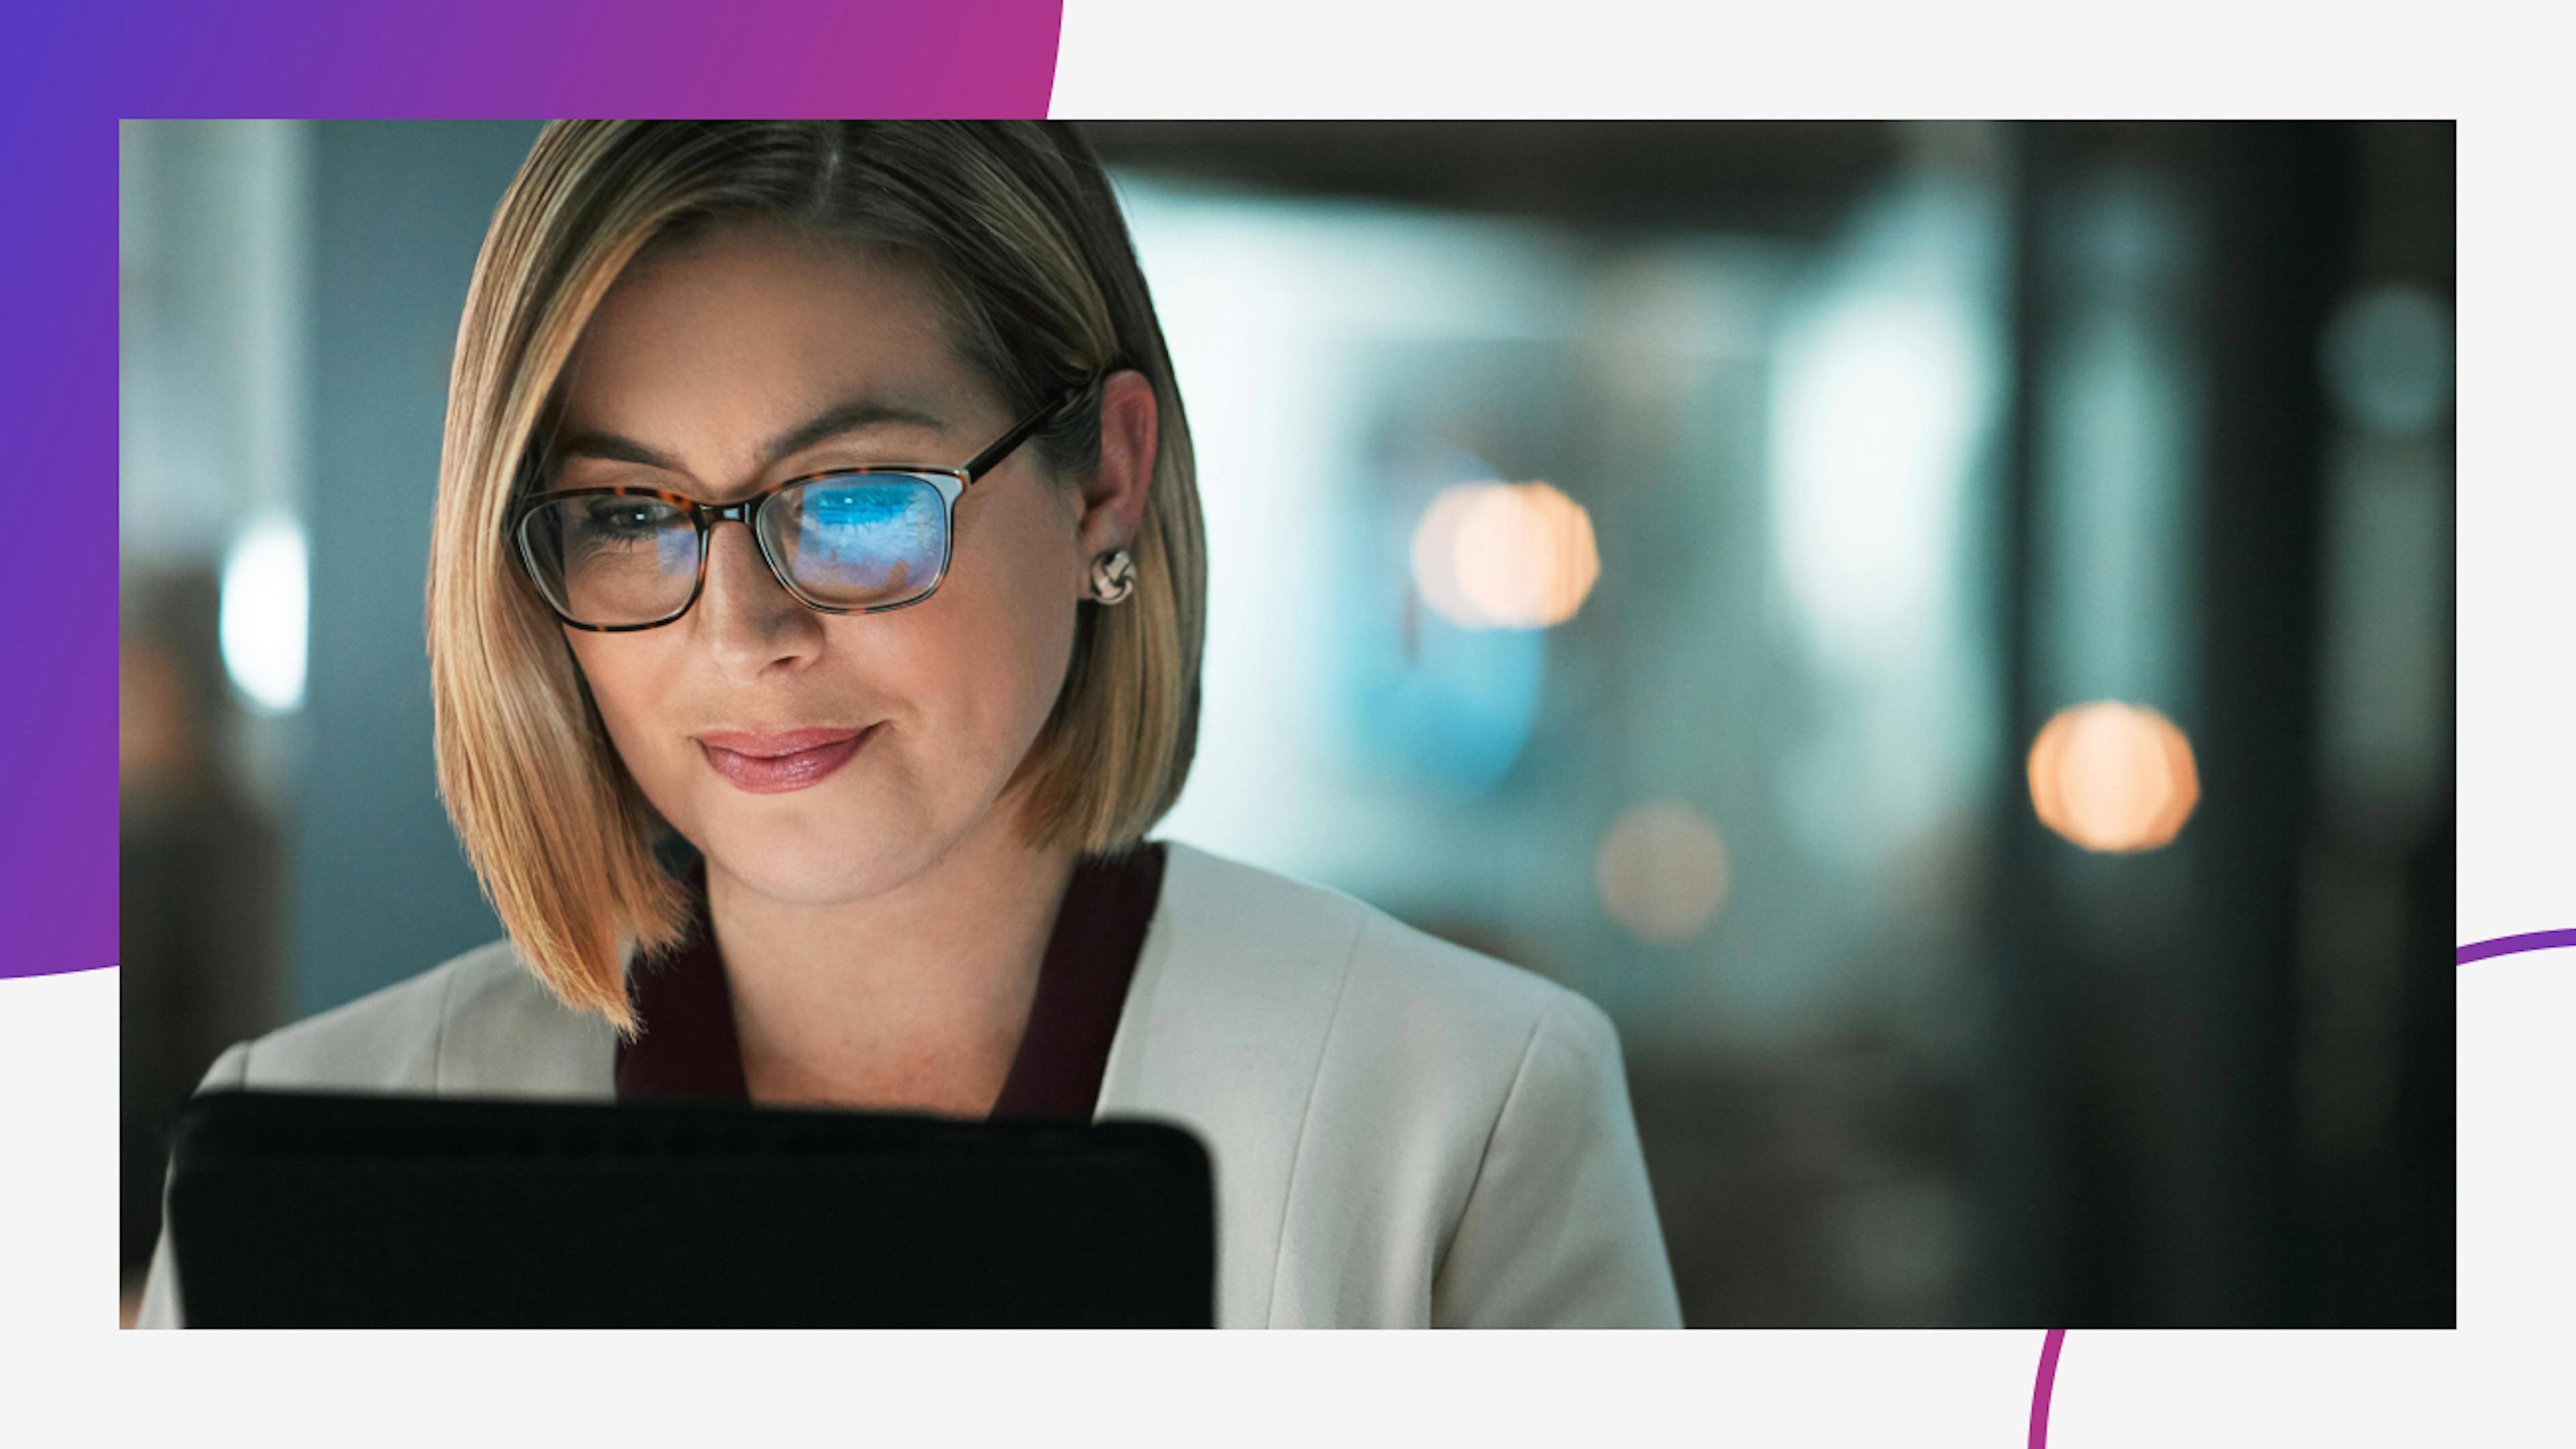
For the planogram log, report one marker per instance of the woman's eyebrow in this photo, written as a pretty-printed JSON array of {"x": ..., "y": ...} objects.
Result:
[
  {"x": 609, "y": 447},
  {"x": 853, "y": 416},
  {"x": 856, "y": 415}
]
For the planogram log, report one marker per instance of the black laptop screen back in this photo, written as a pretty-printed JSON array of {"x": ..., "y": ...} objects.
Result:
[{"x": 338, "y": 1211}]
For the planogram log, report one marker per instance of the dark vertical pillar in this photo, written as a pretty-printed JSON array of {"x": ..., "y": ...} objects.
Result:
[
  {"x": 2426, "y": 1150},
  {"x": 2280, "y": 213},
  {"x": 2424, "y": 1264}
]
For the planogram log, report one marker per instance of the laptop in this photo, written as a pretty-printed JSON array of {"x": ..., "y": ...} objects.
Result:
[{"x": 292, "y": 1210}]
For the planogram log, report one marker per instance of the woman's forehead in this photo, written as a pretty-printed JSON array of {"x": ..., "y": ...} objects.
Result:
[{"x": 737, "y": 338}]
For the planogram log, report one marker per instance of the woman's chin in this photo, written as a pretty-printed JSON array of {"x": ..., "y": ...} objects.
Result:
[{"x": 813, "y": 873}]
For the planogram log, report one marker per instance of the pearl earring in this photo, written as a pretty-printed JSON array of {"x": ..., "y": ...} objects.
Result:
[{"x": 1113, "y": 576}]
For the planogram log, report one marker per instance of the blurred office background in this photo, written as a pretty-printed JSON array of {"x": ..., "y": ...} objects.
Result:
[{"x": 1943, "y": 630}]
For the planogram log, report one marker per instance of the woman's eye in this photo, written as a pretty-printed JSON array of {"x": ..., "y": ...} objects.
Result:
[{"x": 626, "y": 517}]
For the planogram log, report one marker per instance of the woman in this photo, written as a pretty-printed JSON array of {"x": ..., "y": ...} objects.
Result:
[{"x": 907, "y": 726}]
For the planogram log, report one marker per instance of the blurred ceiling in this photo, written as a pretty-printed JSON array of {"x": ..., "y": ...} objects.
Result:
[{"x": 1772, "y": 178}]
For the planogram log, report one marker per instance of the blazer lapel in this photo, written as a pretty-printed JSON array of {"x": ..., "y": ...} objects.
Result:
[{"x": 1224, "y": 1026}]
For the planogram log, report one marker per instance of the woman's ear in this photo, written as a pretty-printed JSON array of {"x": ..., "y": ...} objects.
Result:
[{"x": 1113, "y": 497}]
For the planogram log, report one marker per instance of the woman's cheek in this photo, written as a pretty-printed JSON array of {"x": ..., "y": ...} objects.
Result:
[{"x": 615, "y": 691}]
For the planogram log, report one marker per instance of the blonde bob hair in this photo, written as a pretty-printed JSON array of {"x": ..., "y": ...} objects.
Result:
[{"x": 1017, "y": 229}]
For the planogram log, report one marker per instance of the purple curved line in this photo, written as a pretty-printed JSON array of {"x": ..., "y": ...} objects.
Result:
[
  {"x": 2046, "y": 1382},
  {"x": 2508, "y": 945},
  {"x": 2039, "y": 1390}
]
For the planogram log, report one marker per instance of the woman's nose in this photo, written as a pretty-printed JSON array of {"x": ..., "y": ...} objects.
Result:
[{"x": 750, "y": 619}]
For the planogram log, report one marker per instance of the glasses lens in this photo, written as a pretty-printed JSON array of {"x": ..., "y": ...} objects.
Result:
[
  {"x": 612, "y": 559},
  {"x": 860, "y": 542}
]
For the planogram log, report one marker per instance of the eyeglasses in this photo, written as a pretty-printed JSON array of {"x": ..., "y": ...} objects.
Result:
[{"x": 848, "y": 541}]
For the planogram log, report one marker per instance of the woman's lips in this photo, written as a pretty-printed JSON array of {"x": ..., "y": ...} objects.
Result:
[{"x": 769, "y": 763}]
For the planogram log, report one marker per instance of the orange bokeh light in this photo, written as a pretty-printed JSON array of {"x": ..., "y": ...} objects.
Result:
[
  {"x": 1504, "y": 555},
  {"x": 2113, "y": 777},
  {"x": 1662, "y": 872}
]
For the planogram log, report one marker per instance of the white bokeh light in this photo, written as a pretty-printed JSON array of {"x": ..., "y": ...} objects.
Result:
[{"x": 264, "y": 614}]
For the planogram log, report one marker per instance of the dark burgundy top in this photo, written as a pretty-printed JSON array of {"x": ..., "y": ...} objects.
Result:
[{"x": 689, "y": 1051}]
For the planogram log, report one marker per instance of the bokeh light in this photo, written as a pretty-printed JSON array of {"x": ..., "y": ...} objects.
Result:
[
  {"x": 261, "y": 620},
  {"x": 1504, "y": 555},
  {"x": 1662, "y": 871},
  {"x": 2387, "y": 358},
  {"x": 153, "y": 716},
  {"x": 1435, "y": 555},
  {"x": 2113, "y": 777}
]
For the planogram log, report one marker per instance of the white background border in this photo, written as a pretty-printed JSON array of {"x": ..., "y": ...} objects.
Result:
[{"x": 2496, "y": 1379}]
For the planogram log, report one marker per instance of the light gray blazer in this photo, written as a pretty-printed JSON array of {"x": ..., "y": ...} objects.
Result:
[{"x": 1403, "y": 1132}]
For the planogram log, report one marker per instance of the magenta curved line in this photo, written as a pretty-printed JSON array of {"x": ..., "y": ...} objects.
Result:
[
  {"x": 2039, "y": 1390},
  {"x": 2508, "y": 945}
]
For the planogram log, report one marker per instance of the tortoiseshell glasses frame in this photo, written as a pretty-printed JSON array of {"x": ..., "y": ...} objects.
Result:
[{"x": 951, "y": 485}]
